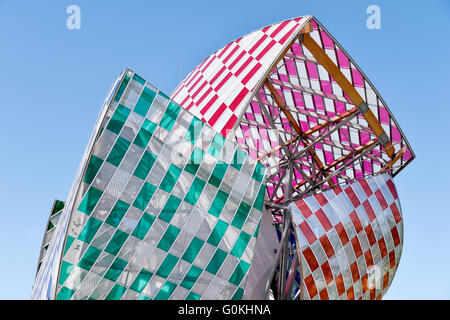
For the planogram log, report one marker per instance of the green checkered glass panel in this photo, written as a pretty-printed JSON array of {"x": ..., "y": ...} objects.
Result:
[{"x": 149, "y": 227}]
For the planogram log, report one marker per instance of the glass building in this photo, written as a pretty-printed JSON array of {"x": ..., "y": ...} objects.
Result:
[{"x": 266, "y": 174}]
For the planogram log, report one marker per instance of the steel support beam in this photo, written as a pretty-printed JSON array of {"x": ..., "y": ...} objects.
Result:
[
  {"x": 278, "y": 148},
  {"x": 277, "y": 258},
  {"x": 317, "y": 140},
  {"x": 328, "y": 123},
  {"x": 336, "y": 162},
  {"x": 356, "y": 156},
  {"x": 290, "y": 279}
]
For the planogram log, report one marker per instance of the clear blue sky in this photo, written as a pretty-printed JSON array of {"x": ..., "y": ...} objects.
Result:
[{"x": 53, "y": 82}]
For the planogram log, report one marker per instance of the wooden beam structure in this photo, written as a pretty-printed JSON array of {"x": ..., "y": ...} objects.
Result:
[
  {"x": 397, "y": 157},
  {"x": 332, "y": 121},
  {"x": 279, "y": 101},
  {"x": 278, "y": 148},
  {"x": 351, "y": 92}
]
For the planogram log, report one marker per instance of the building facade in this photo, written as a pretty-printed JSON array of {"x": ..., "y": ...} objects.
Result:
[{"x": 266, "y": 174}]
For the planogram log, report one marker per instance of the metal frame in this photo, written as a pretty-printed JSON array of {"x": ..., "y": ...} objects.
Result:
[{"x": 296, "y": 152}]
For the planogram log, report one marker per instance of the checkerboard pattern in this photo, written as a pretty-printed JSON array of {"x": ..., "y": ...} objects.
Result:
[
  {"x": 218, "y": 90},
  {"x": 349, "y": 240},
  {"x": 155, "y": 216},
  {"x": 166, "y": 209},
  {"x": 314, "y": 97}
]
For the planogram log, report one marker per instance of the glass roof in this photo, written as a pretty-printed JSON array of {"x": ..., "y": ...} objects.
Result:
[{"x": 329, "y": 139}]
